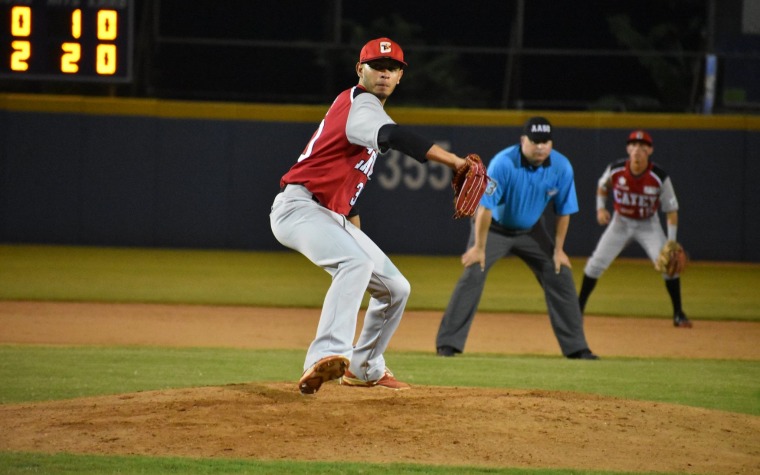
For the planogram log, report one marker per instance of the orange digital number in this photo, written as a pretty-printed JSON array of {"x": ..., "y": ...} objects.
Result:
[
  {"x": 107, "y": 20},
  {"x": 105, "y": 63},
  {"x": 21, "y": 21},
  {"x": 76, "y": 23},
  {"x": 72, "y": 53},
  {"x": 22, "y": 50}
]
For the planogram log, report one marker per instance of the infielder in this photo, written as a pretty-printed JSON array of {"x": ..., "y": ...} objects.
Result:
[
  {"x": 639, "y": 188},
  {"x": 315, "y": 213}
]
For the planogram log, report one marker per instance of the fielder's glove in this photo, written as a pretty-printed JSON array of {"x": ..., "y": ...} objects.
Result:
[
  {"x": 672, "y": 259},
  {"x": 469, "y": 184}
]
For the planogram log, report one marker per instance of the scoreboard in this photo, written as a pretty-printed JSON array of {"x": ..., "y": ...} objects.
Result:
[{"x": 79, "y": 40}]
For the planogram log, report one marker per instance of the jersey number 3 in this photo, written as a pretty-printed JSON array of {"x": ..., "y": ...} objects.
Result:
[{"x": 359, "y": 188}]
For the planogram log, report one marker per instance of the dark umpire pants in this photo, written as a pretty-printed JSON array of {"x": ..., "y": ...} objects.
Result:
[{"x": 536, "y": 248}]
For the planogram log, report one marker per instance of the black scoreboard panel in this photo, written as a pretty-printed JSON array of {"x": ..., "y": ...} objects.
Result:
[{"x": 80, "y": 40}]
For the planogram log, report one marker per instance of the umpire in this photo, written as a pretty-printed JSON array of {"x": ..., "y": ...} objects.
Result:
[{"x": 527, "y": 176}]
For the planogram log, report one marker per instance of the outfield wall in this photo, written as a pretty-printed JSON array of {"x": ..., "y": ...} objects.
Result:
[{"x": 150, "y": 173}]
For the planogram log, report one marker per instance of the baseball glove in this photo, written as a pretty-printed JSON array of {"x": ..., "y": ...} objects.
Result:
[
  {"x": 469, "y": 183},
  {"x": 672, "y": 259}
]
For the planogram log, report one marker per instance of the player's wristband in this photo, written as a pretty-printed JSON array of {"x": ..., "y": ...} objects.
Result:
[
  {"x": 672, "y": 229},
  {"x": 601, "y": 202}
]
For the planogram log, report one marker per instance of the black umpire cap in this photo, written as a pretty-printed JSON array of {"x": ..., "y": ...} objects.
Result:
[{"x": 538, "y": 129}]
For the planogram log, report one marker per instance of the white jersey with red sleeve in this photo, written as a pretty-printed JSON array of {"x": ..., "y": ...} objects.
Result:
[
  {"x": 639, "y": 196},
  {"x": 340, "y": 157}
]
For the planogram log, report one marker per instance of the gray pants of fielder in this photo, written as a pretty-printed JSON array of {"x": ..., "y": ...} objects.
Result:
[{"x": 536, "y": 249}]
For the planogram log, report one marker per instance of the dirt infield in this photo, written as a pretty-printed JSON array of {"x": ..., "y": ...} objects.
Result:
[{"x": 431, "y": 425}]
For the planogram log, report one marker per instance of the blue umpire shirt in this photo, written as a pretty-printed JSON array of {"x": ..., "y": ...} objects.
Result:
[{"x": 522, "y": 191}]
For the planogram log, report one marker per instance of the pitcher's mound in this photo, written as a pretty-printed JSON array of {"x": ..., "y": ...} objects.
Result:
[{"x": 426, "y": 425}]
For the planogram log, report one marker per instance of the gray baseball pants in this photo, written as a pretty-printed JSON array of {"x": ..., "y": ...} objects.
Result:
[
  {"x": 357, "y": 265},
  {"x": 536, "y": 249}
]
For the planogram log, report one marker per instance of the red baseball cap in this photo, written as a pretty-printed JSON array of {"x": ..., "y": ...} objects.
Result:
[
  {"x": 382, "y": 48},
  {"x": 640, "y": 136}
]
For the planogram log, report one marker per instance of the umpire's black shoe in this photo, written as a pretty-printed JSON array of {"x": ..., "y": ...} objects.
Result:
[
  {"x": 584, "y": 354},
  {"x": 446, "y": 351},
  {"x": 680, "y": 321}
]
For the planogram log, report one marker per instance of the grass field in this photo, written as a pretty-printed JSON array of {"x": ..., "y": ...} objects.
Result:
[
  {"x": 41, "y": 373},
  {"x": 98, "y": 465},
  {"x": 714, "y": 291}
]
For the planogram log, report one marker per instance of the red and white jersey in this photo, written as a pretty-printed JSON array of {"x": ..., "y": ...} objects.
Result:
[
  {"x": 340, "y": 157},
  {"x": 639, "y": 196}
]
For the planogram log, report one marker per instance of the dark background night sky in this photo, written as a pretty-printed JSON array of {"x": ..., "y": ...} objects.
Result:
[
  {"x": 586, "y": 54},
  {"x": 472, "y": 32}
]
